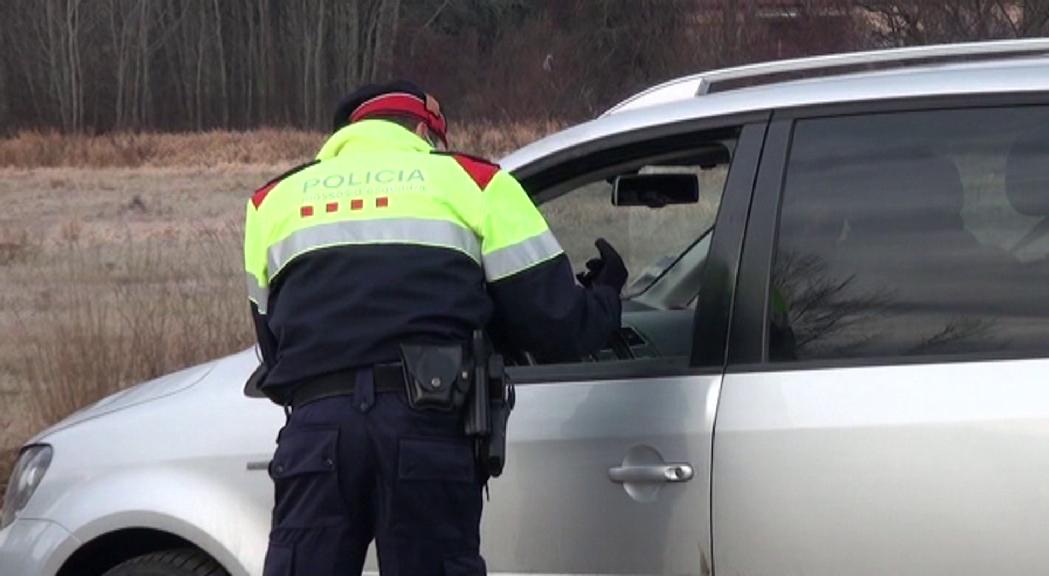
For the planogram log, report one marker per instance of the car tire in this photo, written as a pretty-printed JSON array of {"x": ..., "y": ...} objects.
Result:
[{"x": 182, "y": 562}]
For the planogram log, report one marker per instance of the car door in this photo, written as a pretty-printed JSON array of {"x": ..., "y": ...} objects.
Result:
[
  {"x": 608, "y": 464},
  {"x": 885, "y": 407}
]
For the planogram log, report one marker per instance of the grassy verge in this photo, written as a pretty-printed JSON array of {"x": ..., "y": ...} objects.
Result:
[
  {"x": 209, "y": 149},
  {"x": 109, "y": 277},
  {"x": 99, "y": 318},
  {"x": 119, "y": 316}
]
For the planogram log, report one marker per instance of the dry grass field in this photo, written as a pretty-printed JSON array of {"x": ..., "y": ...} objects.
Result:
[
  {"x": 112, "y": 276},
  {"x": 120, "y": 258},
  {"x": 265, "y": 147}
]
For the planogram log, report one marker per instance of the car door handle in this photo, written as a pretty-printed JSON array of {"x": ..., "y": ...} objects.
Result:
[{"x": 651, "y": 474}]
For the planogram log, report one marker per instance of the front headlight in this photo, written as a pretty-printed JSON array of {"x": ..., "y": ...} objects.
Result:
[{"x": 29, "y": 471}]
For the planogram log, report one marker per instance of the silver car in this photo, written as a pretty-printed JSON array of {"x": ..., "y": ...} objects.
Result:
[{"x": 834, "y": 361}]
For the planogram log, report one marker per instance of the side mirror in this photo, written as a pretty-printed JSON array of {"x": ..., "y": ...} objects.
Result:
[{"x": 655, "y": 190}]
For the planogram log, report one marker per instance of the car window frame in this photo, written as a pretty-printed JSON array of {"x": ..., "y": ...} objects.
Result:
[
  {"x": 749, "y": 331},
  {"x": 566, "y": 168}
]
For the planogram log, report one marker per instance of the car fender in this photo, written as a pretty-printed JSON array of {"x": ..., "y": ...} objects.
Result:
[{"x": 191, "y": 506}]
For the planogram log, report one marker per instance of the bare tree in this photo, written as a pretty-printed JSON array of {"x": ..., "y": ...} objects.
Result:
[
  {"x": 101, "y": 65},
  {"x": 58, "y": 36},
  {"x": 916, "y": 22}
]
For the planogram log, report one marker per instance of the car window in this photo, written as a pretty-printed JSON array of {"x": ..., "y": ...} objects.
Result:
[
  {"x": 649, "y": 239},
  {"x": 663, "y": 247},
  {"x": 916, "y": 233}
]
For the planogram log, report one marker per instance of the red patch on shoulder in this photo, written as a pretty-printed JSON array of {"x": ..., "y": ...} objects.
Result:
[
  {"x": 261, "y": 193},
  {"x": 481, "y": 171}
]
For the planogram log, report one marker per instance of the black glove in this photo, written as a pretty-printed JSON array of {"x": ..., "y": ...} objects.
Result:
[
  {"x": 608, "y": 270},
  {"x": 593, "y": 266}
]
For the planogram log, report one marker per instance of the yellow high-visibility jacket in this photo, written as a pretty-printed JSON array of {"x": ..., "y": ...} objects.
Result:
[{"x": 381, "y": 240}]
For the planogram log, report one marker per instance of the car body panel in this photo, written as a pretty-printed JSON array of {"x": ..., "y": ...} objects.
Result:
[
  {"x": 997, "y": 77},
  {"x": 184, "y": 472},
  {"x": 828, "y": 65},
  {"x": 879, "y": 465},
  {"x": 35, "y": 547},
  {"x": 567, "y": 435},
  {"x": 193, "y": 501},
  {"x": 564, "y": 440},
  {"x": 934, "y": 469},
  {"x": 145, "y": 392}
]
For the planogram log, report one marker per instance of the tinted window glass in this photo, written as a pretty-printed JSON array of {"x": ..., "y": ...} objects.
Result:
[{"x": 919, "y": 233}]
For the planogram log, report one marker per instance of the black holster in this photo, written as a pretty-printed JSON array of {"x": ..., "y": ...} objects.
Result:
[{"x": 488, "y": 407}]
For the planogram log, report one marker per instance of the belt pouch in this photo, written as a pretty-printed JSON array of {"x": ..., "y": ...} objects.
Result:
[{"x": 433, "y": 376}]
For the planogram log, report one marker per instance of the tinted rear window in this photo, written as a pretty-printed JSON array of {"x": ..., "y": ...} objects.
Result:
[{"x": 918, "y": 233}]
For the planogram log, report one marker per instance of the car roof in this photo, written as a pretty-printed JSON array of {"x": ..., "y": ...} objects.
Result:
[{"x": 676, "y": 101}]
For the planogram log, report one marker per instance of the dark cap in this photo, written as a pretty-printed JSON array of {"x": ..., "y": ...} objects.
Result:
[{"x": 400, "y": 98}]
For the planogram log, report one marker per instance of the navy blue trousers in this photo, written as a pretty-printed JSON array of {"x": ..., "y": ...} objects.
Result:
[{"x": 362, "y": 467}]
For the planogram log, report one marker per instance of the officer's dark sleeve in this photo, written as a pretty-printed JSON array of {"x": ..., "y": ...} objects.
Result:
[
  {"x": 539, "y": 305},
  {"x": 544, "y": 311},
  {"x": 258, "y": 284},
  {"x": 267, "y": 341}
]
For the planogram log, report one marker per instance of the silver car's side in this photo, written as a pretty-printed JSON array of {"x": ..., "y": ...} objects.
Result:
[
  {"x": 931, "y": 470},
  {"x": 923, "y": 465}
]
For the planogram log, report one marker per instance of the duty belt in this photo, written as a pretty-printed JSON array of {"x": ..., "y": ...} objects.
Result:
[{"x": 387, "y": 377}]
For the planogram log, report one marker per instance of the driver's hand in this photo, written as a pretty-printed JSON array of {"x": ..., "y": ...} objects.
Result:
[{"x": 607, "y": 270}]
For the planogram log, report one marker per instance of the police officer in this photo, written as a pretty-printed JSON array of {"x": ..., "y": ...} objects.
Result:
[{"x": 386, "y": 240}]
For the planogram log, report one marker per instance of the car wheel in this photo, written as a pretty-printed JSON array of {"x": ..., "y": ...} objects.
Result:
[{"x": 183, "y": 562}]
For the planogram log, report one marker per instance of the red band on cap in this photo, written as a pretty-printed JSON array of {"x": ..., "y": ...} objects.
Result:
[{"x": 401, "y": 103}]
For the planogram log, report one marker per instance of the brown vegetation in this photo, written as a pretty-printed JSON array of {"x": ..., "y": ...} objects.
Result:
[
  {"x": 114, "y": 315},
  {"x": 113, "y": 276},
  {"x": 266, "y": 147},
  {"x": 92, "y": 319}
]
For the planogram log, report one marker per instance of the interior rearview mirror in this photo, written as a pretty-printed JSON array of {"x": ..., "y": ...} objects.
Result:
[{"x": 655, "y": 190}]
